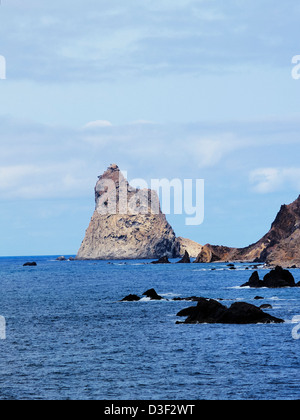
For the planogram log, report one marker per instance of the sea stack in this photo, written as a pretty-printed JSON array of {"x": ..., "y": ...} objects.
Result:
[{"x": 127, "y": 223}]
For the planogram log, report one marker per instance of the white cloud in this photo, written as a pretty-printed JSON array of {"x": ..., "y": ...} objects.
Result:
[
  {"x": 52, "y": 180},
  {"x": 268, "y": 180},
  {"x": 98, "y": 124}
]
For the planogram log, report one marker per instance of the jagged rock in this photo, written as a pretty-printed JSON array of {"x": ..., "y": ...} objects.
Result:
[
  {"x": 30, "y": 264},
  {"x": 62, "y": 258},
  {"x": 254, "y": 281},
  {"x": 274, "y": 279},
  {"x": 131, "y": 298},
  {"x": 280, "y": 246},
  {"x": 162, "y": 260},
  {"x": 151, "y": 293},
  {"x": 212, "y": 312},
  {"x": 127, "y": 223},
  {"x": 185, "y": 260}
]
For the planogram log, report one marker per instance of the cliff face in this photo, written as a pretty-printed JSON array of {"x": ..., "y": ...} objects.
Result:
[
  {"x": 280, "y": 246},
  {"x": 127, "y": 223},
  {"x": 192, "y": 247}
]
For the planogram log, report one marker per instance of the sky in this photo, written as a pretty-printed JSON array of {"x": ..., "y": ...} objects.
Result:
[{"x": 176, "y": 89}]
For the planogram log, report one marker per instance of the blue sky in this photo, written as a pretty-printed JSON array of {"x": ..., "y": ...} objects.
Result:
[{"x": 178, "y": 89}]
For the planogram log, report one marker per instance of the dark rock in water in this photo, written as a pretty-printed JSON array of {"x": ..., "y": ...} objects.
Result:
[
  {"x": 162, "y": 260},
  {"x": 245, "y": 313},
  {"x": 274, "y": 279},
  {"x": 254, "y": 281},
  {"x": 265, "y": 306},
  {"x": 190, "y": 299},
  {"x": 258, "y": 297},
  {"x": 62, "y": 258},
  {"x": 190, "y": 312},
  {"x": 30, "y": 264},
  {"x": 151, "y": 293},
  {"x": 213, "y": 312},
  {"x": 279, "y": 278},
  {"x": 131, "y": 298},
  {"x": 206, "y": 311},
  {"x": 186, "y": 259}
]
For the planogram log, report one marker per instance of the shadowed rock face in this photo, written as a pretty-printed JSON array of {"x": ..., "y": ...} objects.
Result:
[
  {"x": 280, "y": 246},
  {"x": 127, "y": 223}
]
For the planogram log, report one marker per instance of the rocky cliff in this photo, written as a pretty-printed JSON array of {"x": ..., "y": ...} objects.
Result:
[
  {"x": 192, "y": 247},
  {"x": 127, "y": 223},
  {"x": 280, "y": 246}
]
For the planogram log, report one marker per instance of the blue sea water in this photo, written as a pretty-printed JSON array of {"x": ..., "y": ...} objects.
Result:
[{"x": 68, "y": 336}]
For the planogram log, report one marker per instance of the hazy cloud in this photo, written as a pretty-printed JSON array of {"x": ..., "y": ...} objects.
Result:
[
  {"x": 95, "y": 41},
  {"x": 268, "y": 180}
]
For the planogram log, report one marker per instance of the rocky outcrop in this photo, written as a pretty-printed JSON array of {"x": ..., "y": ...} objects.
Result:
[
  {"x": 213, "y": 312},
  {"x": 211, "y": 253},
  {"x": 185, "y": 259},
  {"x": 152, "y": 295},
  {"x": 127, "y": 223},
  {"x": 280, "y": 246},
  {"x": 162, "y": 260},
  {"x": 192, "y": 247},
  {"x": 274, "y": 279},
  {"x": 30, "y": 264}
]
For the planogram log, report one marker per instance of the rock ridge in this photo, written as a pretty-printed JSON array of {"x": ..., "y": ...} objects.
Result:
[{"x": 280, "y": 246}]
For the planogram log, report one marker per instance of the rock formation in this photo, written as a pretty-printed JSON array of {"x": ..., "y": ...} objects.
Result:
[
  {"x": 127, "y": 223},
  {"x": 280, "y": 246},
  {"x": 211, "y": 311},
  {"x": 274, "y": 279},
  {"x": 185, "y": 259},
  {"x": 192, "y": 247}
]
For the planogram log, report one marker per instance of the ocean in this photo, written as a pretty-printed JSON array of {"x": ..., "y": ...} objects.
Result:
[{"x": 68, "y": 336}]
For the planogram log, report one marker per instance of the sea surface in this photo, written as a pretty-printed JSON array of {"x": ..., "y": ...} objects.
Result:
[{"x": 68, "y": 336}]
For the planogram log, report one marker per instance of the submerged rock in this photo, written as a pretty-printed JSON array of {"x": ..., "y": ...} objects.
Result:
[{"x": 213, "y": 312}]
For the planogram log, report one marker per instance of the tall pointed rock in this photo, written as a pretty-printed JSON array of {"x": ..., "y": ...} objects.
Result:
[{"x": 127, "y": 223}]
